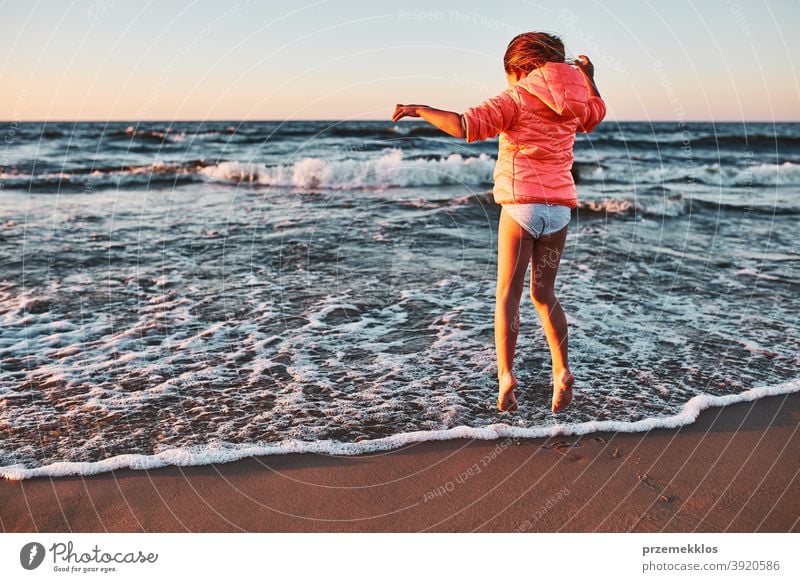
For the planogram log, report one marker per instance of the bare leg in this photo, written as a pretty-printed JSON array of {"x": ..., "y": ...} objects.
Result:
[
  {"x": 546, "y": 257},
  {"x": 514, "y": 248}
]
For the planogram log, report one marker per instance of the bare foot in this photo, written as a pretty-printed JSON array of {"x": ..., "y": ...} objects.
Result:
[
  {"x": 507, "y": 400},
  {"x": 562, "y": 389}
]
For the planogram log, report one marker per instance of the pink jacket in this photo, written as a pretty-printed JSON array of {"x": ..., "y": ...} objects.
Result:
[{"x": 536, "y": 119}]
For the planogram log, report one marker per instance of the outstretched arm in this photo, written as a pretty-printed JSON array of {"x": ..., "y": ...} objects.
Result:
[{"x": 448, "y": 121}]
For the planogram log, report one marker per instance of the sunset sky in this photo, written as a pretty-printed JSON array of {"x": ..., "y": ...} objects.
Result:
[{"x": 115, "y": 59}]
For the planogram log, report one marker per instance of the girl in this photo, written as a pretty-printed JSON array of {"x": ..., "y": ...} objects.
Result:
[{"x": 536, "y": 117}]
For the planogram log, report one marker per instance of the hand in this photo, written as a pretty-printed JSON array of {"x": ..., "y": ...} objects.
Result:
[
  {"x": 401, "y": 111},
  {"x": 585, "y": 65}
]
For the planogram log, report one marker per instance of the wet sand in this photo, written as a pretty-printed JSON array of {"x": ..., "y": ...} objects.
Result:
[{"x": 734, "y": 470}]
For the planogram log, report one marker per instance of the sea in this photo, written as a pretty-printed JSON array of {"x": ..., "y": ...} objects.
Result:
[{"x": 185, "y": 293}]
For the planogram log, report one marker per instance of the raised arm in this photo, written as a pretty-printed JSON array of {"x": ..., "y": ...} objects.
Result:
[
  {"x": 448, "y": 121},
  {"x": 596, "y": 110},
  {"x": 586, "y": 67}
]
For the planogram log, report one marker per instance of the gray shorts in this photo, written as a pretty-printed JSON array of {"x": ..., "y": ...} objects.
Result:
[{"x": 539, "y": 219}]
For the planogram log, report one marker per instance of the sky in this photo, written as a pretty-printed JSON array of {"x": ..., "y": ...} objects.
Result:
[{"x": 682, "y": 60}]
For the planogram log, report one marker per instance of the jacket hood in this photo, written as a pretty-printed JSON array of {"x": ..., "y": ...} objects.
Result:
[{"x": 560, "y": 86}]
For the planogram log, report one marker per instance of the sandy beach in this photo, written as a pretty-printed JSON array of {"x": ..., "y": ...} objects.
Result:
[{"x": 734, "y": 470}]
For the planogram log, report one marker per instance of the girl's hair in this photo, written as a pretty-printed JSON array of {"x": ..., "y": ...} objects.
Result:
[{"x": 531, "y": 50}]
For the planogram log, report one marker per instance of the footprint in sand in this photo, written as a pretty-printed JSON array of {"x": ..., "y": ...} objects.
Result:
[
  {"x": 648, "y": 481},
  {"x": 563, "y": 449},
  {"x": 615, "y": 454}
]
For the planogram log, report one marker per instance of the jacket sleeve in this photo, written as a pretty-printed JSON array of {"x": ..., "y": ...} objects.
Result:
[
  {"x": 595, "y": 112},
  {"x": 490, "y": 118}
]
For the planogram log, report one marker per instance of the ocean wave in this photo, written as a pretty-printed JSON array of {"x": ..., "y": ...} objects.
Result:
[
  {"x": 756, "y": 174},
  {"x": 221, "y": 452},
  {"x": 152, "y": 135},
  {"x": 639, "y": 140},
  {"x": 245, "y": 133},
  {"x": 661, "y": 202},
  {"x": 158, "y": 135},
  {"x": 747, "y": 206},
  {"x": 631, "y": 138},
  {"x": 390, "y": 170},
  {"x": 656, "y": 201},
  {"x": 133, "y": 176}
]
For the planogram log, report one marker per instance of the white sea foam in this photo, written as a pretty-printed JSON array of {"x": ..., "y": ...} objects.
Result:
[
  {"x": 750, "y": 272},
  {"x": 666, "y": 205},
  {"x": 220, "y": 452},
  {"x": 388, "y": 170},
  {"x": 755, "y": 174}
]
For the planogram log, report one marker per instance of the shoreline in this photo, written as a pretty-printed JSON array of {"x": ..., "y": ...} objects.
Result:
[
  {"x": 208, "y": 455},
  {"x": 734, "y": 469}
]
